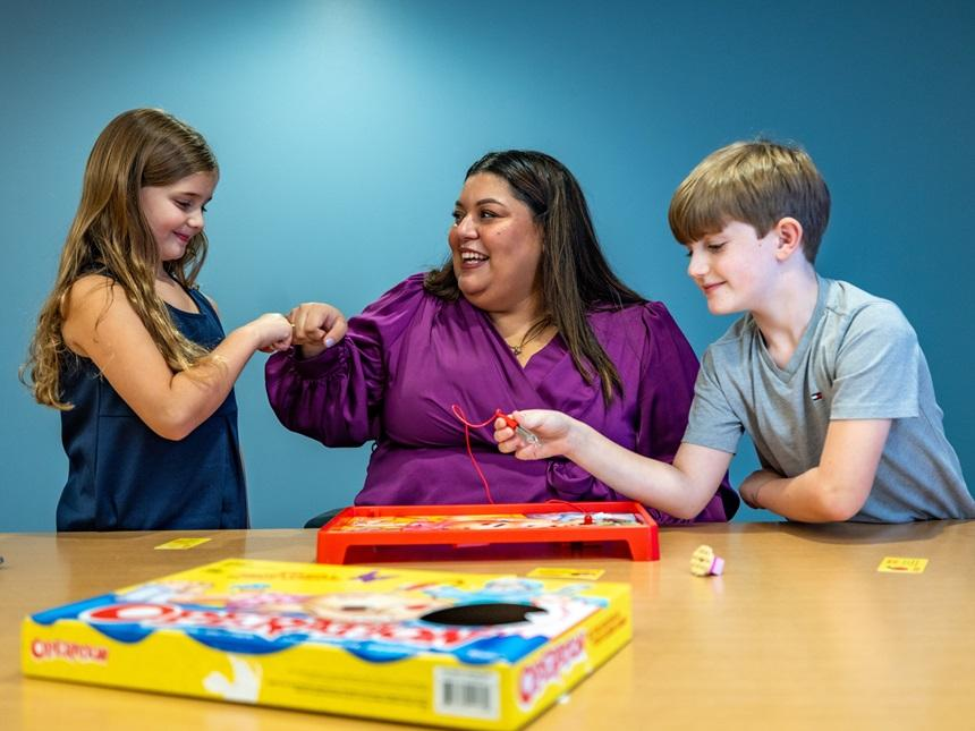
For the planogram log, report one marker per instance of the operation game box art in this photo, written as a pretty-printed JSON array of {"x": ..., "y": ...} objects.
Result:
[{"x": 449, "y": 649}]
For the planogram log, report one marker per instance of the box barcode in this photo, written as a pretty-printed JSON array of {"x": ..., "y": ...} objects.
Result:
[{"x": 467, "y": 693}]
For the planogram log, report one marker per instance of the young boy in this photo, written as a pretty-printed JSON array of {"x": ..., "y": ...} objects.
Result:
[{"x": 828, "y": 380}]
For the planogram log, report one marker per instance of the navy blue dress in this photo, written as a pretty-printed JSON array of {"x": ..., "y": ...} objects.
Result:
[{"x": 124, "y": 476}]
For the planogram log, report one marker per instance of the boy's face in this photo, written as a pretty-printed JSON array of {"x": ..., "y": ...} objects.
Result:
[{"x": 734, "y": 267}]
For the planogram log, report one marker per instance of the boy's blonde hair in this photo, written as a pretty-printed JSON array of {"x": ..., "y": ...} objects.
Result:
[
  {"x": 109, "y": 235},
  {"x": 758, "y": 183}
]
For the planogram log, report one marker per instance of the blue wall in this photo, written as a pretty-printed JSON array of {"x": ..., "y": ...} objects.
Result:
[{"x": 344, "y": 127}]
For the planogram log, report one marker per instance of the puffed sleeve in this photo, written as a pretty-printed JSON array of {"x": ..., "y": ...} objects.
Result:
[
  {"x": 336, "y": 396},
  {"x": 666, "y": 394},
  {"x": 658, "y": 369},
  {"x": 667, "y": 385},
  {"x": 651, "y": 362}
]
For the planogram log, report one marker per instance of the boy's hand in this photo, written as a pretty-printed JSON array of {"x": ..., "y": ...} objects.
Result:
[
  {"x": 317, "y": 326},
  {"x": 752, "y": 486},
  {"x": 553, "y": 429}
]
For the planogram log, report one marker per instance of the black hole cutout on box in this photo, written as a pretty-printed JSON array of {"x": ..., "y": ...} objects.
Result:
[{"x": 476, "y": 615}]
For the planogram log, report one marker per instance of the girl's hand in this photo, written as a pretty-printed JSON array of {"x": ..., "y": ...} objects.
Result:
[
  {"x": 555, "y": 432},
  {"x": 317, "y": 326},
  {"x": 273, "y": 332}
]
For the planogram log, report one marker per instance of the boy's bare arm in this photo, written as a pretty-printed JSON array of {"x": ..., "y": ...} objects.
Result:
[
  {"x": 682, "y": 489},
  {"x": 834, "y": 490}
]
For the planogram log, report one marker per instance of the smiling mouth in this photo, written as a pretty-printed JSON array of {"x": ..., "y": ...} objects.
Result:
[{"x": 472, "y": 258}]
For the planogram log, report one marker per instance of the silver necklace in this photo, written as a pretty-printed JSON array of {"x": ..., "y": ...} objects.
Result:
[{"x": 517, "y": 349}]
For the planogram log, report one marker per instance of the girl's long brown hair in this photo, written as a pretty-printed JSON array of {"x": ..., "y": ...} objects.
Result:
[
  {"x": 576, "y": 278},
  {"x": 110, "y": 236}
]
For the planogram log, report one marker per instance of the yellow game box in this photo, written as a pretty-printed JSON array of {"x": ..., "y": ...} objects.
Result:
[{"x": 448, "y": 649}]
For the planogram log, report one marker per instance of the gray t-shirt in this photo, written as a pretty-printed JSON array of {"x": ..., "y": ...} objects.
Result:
[{"x": 858, "y": 359}]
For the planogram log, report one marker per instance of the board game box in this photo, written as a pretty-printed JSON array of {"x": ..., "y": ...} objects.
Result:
[{"x": 448, "y": 649}]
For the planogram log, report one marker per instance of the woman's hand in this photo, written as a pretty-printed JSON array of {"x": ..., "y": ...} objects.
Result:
[
  {"x": 555, "y": 432},
  {"x": 317, "y": 326}
]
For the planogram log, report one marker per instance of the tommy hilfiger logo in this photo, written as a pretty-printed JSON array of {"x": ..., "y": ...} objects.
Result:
[{"x": 817, "y": 396}]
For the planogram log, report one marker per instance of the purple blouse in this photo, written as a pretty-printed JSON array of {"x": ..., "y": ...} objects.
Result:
[{"x": 410, "y": 356}]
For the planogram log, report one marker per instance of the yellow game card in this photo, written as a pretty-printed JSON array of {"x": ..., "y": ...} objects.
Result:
[
  {"x": 898, "y": 565},
  {"x": 181, "y": 544},
  {"x": 551, "y": 572}
]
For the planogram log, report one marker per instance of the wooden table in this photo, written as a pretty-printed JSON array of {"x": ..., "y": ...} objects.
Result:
[{"x": 801, "y": 632}]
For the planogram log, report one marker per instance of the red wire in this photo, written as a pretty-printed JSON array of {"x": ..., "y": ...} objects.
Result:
[
  {"x": 587, "y": 516},
  {"x": 498, "y": 414},
  {"x": 459, "y": 413}
]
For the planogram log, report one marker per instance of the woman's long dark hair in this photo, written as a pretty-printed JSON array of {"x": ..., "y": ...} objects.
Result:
[{"x": 576, "y": 278}]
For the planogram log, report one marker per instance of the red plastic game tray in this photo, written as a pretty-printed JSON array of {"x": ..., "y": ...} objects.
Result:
[{"x": 412, "y": 528}]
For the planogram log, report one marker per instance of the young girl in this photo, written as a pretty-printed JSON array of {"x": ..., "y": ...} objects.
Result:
[{"x": 132, "y": 353}]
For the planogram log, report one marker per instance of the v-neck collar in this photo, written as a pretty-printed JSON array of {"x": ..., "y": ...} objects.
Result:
[
  {"x": 539, "y": 365},
  {"x": 802, "y": 349}
]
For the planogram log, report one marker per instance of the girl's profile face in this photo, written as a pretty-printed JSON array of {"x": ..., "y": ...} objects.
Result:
[
  {"x": 496, "y": 245},
  {"x": 175, "y": 212}
]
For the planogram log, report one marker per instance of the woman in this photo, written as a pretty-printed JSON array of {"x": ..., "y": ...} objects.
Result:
[{"x": 525, "y": 313}]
